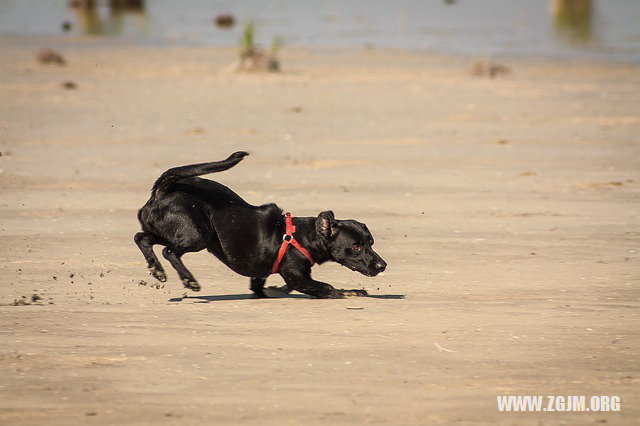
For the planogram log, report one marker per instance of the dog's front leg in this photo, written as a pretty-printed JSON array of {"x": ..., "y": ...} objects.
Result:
[
  {"x": 314, "y": 288},
  {"x": 257, "y": 287},
  {"x": 299, "y": 279},
  {"x": 260, "y": 292}
]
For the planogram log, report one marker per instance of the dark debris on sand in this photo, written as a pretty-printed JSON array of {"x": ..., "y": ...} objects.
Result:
[{"x": 50, "y": 56}]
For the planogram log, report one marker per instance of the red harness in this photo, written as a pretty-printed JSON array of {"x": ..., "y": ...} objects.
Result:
[{"x": 287, "y": 239}]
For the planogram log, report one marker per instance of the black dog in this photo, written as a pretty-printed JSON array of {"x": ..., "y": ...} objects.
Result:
[{"x": 188, "y": 214}]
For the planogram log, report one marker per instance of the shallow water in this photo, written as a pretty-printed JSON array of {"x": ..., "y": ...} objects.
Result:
[{"x": 596, "y": 29}]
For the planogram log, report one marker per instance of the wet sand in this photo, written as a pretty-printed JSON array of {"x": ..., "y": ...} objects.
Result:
[{"x": 507, "y": 210}]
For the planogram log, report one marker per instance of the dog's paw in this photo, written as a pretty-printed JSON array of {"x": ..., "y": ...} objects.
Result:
[
  {"x": 158, "y": 274},
  {"x": 190, "y": 284},
  {"x": 275, "y": 292},
  {"x": 357, "y": 293}
]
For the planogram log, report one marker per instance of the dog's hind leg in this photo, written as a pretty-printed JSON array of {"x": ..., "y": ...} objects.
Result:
[
  {"x": 145, "y": 243},
  {"x": 187, "y": 278}
]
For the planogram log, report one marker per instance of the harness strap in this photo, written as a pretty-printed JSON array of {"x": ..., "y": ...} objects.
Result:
[{"x": 287, "y": 239}]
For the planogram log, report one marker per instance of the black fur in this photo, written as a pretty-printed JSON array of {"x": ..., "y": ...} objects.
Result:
[{"x": 187, "y": 214}]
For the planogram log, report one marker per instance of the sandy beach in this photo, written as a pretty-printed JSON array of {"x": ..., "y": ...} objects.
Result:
[{"x": 507, "y": 210}]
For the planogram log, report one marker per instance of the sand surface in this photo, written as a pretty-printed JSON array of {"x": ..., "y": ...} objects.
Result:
[{"x": 507, "y": 210}]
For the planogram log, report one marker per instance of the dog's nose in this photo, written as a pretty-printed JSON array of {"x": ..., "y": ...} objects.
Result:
[{"x": 380, "y": 265}]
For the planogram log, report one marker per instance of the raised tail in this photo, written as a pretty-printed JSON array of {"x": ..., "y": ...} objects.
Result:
[{"x": 175, "y": 174}]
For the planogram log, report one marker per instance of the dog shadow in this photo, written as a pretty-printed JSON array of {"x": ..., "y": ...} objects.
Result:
[{"x": 246, "y": 296}]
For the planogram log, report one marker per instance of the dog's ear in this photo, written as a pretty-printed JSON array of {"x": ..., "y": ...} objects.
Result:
[{"x": 326, "y": 224}]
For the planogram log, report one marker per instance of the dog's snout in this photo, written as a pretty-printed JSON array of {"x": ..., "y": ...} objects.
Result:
[{"x": 380, "y": 265}]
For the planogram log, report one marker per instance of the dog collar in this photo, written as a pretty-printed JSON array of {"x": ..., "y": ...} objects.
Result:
[{"x": 287, "y": 239}]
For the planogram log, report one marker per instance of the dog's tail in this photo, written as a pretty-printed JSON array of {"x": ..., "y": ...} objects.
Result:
[{"x": 175, "y": 174}]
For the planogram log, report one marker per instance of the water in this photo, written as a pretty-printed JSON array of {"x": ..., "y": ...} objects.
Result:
[{"x": 606, "y": 30}]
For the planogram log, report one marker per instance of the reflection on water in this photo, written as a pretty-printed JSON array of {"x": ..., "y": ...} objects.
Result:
[
  {"x": 107, "y": 18},
  {"x": 572, "y": 20},
  {"x": 597, "y": 29}
]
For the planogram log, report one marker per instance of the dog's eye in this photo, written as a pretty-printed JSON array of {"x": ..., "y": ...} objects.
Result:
[{"x": 356, "y": 247}]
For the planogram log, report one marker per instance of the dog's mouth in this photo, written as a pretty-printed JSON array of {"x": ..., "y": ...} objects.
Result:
[{"x": 363, "y": 271}]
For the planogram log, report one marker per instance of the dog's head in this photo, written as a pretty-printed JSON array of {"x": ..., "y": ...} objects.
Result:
[{"x": 349, "y": 243}]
